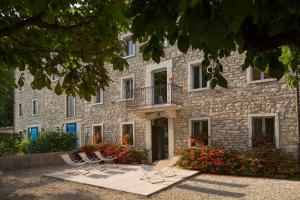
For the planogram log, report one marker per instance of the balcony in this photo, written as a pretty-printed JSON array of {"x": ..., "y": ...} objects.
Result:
[{"x": 156, "y": 98}]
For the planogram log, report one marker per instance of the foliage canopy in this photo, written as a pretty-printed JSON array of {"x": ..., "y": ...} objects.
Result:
[
  {"x": 259, "y": 29},
  {"x": 75, "y": 38}
]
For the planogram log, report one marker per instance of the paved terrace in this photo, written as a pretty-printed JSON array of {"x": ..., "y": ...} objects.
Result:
[
  {"x": 30, "y": 184},
  {"x": 126, "y": 178}
]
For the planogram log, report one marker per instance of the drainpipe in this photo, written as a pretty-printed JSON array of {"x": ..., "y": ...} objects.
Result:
[{"x": 298, "y": 118}]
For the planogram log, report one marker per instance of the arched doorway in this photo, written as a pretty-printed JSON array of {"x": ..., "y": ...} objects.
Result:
[{"x": 160, "y": 140}]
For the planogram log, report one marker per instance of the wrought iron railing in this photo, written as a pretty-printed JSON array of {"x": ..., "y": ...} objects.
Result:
[{"x": 170, "y": 94}]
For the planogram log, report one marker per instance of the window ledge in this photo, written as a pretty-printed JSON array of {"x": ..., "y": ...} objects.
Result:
[
  {"x": 129, "y": 56},
  {"x": 70, "y": 117},
  {"x": 35, "y": 115},
  {"x": 130, "y": 99},
  {"x": 262, "y": 81},
  {"x": 197, "y": 147},
  {"x": 96, "y": 104},
  {"x": 123, "y": 145},
  {"x": 199, "y": 89}
]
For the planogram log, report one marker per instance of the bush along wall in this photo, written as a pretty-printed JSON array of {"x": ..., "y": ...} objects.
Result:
[
  {"x": 124, "y": 154},
  {"x": 10, "y": 143},
  {"x": 13, "y": 144},
  {"x": 263, "y": 161},
  {"x": 54, "y": 142}
]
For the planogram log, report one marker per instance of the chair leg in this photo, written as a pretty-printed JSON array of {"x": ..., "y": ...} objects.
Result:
[{"x": 110, "y": 163}]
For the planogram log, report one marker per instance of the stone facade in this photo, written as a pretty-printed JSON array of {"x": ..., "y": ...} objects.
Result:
[{"x": 228, "y": 109}]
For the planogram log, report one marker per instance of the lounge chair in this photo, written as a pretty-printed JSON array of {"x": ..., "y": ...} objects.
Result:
[
  {"x": 153, "y": 172},
  {"x": 73, "y": 163},
  {"x": 169, "y": 171},
  {"x": 108, "y": 161},
  {"x": 161, "y": 168},
  {"x": 86, "y": 159}
]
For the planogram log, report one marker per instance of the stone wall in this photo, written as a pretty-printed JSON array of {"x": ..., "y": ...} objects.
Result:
[
  {"x": 30, "y": 161},
  {"x": 228, "y": 108},
  {"x": 52, "y": 108}
]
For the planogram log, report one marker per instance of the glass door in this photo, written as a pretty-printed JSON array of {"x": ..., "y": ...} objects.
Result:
[{"x": 160, "y": 91}]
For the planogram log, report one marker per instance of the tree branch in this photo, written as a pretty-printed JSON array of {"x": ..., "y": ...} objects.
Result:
[
  {"x": 257, "y": 41},
  {"x": 37, "y": 21},
  {"x": 22, "y": 24}
]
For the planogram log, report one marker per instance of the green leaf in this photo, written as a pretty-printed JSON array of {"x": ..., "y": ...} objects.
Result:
[
  {"x": 213, "y": 83},
  {"x": 276, "y": 69},
  {"x": 156, "y": 56},
  {"x": 206, "y": 62},
  {"x": 21, "y": 81},
  {"x": 183, "y": 43},
  {"x": 119, "y": 63},
  {"x": 221, "y": 80},
  {"x": 58, "y": 90}
]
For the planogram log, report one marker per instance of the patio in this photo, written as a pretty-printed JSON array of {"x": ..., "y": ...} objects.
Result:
[
  {"x": 126, "y": 178},
  {"x": 31, "y": 184}
]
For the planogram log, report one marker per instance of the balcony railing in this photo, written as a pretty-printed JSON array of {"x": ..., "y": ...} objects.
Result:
[{"x": 158, "y": 95}]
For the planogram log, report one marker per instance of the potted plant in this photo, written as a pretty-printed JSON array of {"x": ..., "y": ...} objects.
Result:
[
  {"x": 134, "y": 157},
  {"x": 144, "y": 155}
]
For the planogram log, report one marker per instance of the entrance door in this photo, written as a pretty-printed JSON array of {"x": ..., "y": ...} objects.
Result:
[
  {"x": 160, "y": 87},
  {"x": 71, "y": 128},
  {"x": 33, "y": 133},
  {"x": 160, "y": 144}
]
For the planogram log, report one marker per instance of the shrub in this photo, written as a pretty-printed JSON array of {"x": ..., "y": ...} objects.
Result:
[
  {"x": 54, "y": 142},
  {"x": 9, "y": 143},
  {"x": 133, "y": 156},
  {"x": 24, "y": 145},
  {"x": 144, "y": 154},
  {"x": 263, "y": 161},
  {"x": 125, "y": 155},
  {"x": 210, "y": 159}
]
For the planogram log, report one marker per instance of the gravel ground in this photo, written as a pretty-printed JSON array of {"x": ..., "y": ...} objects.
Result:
[{"x": 30, "y": 185}]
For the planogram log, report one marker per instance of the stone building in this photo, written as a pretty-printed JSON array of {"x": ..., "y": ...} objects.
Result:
[{"x": 169, "y": 106}]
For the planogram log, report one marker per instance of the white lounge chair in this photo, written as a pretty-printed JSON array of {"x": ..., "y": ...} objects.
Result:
[
  {"x": 161, "y": 169},
  {"x": 107, "y": 160},
  {"x": 153, "y": 173},
  {"x": 73, "y": 163},
  {"x": 168, "y": 170},
  {"x": 95, "y": 162}
]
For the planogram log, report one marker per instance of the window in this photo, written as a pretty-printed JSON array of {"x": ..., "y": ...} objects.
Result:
[
  {"x": 129, "y": 47},
  {"x": 127, "y": 134},
  {"x": 97, "y": 134},
  {"x": 200, "y": 132},
  {"x": 54, "y": 77},
  {"x": 264, "y": 130},
  {"x": 20, "y": 110},
  {"x": 98, "y": 99},
  {"x": 70, "y": 106},
  {"x": 198, "y": 77},
  {"x": 127, "y": 88},
  {"x": 254, "y": 75},
  {"x": 35, "y": 107}
]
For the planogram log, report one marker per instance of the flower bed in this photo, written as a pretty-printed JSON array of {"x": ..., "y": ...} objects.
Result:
[
  {"x": 125, "y": 155},
  {"x": 262, "y": 161}
]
